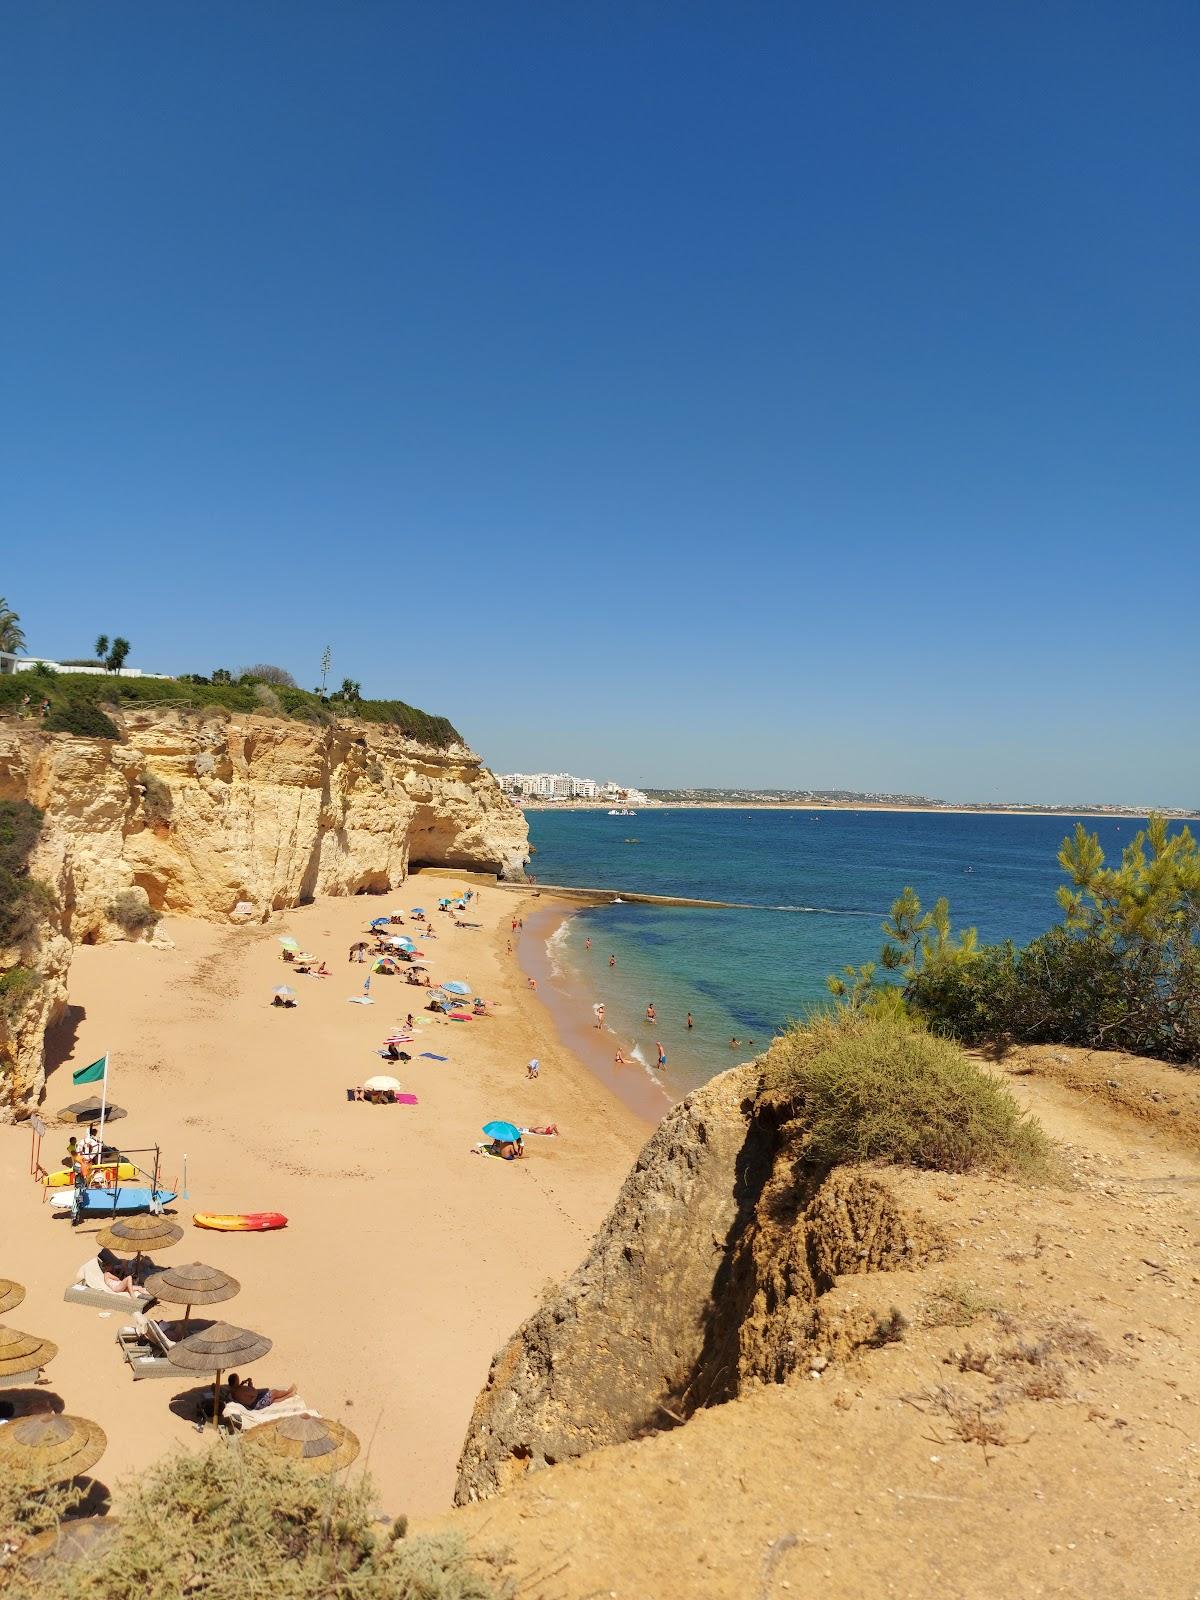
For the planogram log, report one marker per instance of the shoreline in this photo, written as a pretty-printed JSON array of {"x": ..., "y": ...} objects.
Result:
[
  {"x": 406, "y": 1262},
  {"x": 645, "y": 1096},
  {"x": 1128, "y": 814}
]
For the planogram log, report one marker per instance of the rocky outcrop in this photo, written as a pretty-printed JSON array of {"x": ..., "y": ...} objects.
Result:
[
  {"x": 201, "y": 812},
  {"x": 708, "y": 1277}
]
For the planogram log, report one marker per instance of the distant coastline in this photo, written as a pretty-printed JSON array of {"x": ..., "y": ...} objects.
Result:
[{"x": 1067, "y": 813}]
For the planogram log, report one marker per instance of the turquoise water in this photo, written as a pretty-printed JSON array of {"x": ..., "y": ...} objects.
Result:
[{"x": 819, "y": 884}]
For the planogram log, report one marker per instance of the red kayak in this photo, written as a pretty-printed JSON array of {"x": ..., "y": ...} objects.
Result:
[{"x": 245, "y": 1222}]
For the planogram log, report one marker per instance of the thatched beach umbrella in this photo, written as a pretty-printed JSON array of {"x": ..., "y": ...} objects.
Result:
[
  {"x": 57, "y": 1447},
  {"x": 22, "y": 1355},
  {"x": 89, "y": 1111},
  {"x": 143, "y": 1234},
  {"x": 314, "y": 1445},
  {"x": 77, "y": 1539},
  {"x": 11, "y": 1294},
  {"x": 216, "y": 1350},
  {"x": 191, "y": 1285}
]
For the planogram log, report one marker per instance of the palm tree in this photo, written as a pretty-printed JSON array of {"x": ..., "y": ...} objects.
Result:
[
  {"x": 350, "y": 691},
  {"x": 12, "y": 637},
  {"x": 115, "y": 659},
  {"x": 102, "y": 646}
]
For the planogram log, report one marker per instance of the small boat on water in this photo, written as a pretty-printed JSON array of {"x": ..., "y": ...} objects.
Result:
[{"x": 624, "y": 812}]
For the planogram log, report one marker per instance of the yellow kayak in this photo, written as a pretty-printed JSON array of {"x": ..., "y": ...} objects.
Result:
[{"x": 63, "y": 1179}]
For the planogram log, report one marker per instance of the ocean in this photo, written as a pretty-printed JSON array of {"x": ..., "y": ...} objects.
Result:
[{"x": 818, "y": 884}]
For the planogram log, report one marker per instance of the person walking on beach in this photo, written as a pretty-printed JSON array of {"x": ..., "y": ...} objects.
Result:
[
  {"x": 533, "y": 984},
  {"x": 689, "y": 1020},
  {"x": 531, "y": 1071},
  {"x": 662, "y": 1054},
  {"x": 598, "y": 1008}
]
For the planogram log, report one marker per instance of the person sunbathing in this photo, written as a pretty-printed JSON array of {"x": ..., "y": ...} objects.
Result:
[
  {"x": 118, "y": 1274},
  {"x": 508, "y": 1149},
  {"x": 244, "y": 1392}
]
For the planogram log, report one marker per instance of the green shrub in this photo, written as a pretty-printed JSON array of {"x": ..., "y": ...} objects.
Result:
[
  {"x": 25, "y": 902},
  {"x": 880, "y": 1088},
  {"x": 87, "y": 722},
  {"x": 16, "y": 987},
  {"x": 132, "y": 911},
  {"x": 236, "y": 1523},
  {"x": 85, "y": 690}
]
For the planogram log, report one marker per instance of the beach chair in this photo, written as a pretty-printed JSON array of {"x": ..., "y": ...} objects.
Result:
[
  {"x": 237, "y": 1418},
  {"x": 90, "y": 1289},
  {"x": 146, "y": 1348}
]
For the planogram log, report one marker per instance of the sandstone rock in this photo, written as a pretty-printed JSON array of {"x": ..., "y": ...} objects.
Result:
[
  {"x": 707, "y": 1277},
  {"x": 203, "y": 813}
]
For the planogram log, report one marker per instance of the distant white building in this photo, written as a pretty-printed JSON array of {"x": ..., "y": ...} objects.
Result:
[
  {"x": 564, "y": 786},
  {"x": 10, "y": 663}
]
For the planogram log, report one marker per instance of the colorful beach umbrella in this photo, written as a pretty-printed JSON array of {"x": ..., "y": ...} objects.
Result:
[
  {"x": 506, "y": 1132},
  {"x": 380, "y": 922},
  {"x": 456, "y": 987}
]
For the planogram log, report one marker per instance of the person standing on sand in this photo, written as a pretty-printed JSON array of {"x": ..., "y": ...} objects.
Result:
[
  {"x": 598, "y": 1010},
  {"x": 533, "y": 984},
  {"x": 531, "y": 1071},
  {"x": 662, "y": 1054},
  {"x": 689, "y": 1020}
]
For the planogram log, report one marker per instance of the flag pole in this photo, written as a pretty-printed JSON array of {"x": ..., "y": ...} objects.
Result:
[{"x": 104, "y": 1108}]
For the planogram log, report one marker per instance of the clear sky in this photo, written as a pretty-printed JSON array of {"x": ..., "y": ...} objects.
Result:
[{"x": 687, "y": 393}]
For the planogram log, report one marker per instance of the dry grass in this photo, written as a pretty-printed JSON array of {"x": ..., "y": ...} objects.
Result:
[
  {"x": 221, "y": 1527},
  {"x": 873, "y": 1088},
  {"x": 957, "y": 1304}
]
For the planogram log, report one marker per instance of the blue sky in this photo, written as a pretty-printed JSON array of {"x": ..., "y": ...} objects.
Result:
[{"x": 764, "y": 394}]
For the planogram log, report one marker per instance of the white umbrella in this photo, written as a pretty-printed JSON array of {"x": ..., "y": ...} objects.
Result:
[
  {"x": 382, "y": 1081},
  {"x": 284, "y": 992}
]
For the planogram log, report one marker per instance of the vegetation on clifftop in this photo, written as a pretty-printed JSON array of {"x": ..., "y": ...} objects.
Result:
[
  {"x": 882, "y": 1088},
  {"x": 237, "y": 1522},
  {"x": 77, "y": 702},
  {"x": 1121, "y": 971}
]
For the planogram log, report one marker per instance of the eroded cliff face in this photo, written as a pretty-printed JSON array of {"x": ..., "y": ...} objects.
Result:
[
  {"x": 711, "y": 1275},
  {"x": 203, "y": 812}
]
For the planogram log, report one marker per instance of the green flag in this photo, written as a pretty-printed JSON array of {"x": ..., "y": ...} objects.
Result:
[{"x": 91, "y": 1074}]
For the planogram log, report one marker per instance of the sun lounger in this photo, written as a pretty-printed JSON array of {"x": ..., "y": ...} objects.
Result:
[
  {"x": 145, "y": 1347},
  {"x": 90, "y": 1289},
  {"x": 237, "y": 1416}
]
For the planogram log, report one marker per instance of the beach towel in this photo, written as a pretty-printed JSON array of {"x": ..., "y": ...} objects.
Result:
[
  {"x": 360, "y": 1000},
  {"x": 235, "y": 1415},
  {"x": 428, "y": 1055}
]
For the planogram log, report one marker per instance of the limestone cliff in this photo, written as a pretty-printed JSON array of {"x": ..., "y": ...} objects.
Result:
[
  {"x": 201, "y": 812},
  {"x": 710, "y": 1275}
]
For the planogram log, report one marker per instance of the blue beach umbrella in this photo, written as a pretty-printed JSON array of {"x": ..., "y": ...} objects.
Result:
[
  {"x": 416, "y": 911},
  {"x": 504, "y": 1131},
  {"x": 379, "y": 922},
  {"x": 454, "y": 987}
]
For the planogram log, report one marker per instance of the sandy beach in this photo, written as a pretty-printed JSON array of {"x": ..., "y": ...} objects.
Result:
[{"x": 407, "y": 1261}]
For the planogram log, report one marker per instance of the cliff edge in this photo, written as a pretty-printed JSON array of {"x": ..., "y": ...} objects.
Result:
[{"x": 203, "y": 812}]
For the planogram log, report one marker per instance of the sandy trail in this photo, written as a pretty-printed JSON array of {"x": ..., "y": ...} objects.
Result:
[{"x": 407, "y": 1261}]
